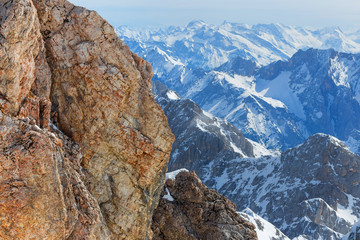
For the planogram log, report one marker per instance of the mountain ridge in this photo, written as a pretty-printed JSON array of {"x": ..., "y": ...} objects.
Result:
[
  {"x": 238, "y": 90},
  {"x": 308, "y": 191}
]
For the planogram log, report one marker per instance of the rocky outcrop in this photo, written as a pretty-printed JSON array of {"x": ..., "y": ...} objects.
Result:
[
  {"x": 22, "y": 63},
  {"x": 66, "y": 62},
  {"x": 189, "y": 210},
  {"x": 101, "y": 95}
]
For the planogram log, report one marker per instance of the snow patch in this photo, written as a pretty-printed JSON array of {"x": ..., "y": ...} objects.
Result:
[
  {"x": 279, "y": 88},
  {"x": 354, "y": 231},
  {"x": 347, "y": 213},
  {"x": 353, "y": 145},
  {"x": 172, "y": 175},
  {"x": 168, "y": 196},
  {"x": 264, "y": 229},
  {"x": 260, "y": 150},
  {"x": 338, "y": 72},
  {"x": 172, "y": 95},
  {"x": 235, "y": 148}
]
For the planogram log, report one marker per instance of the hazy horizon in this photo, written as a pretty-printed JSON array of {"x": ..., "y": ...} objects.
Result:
[{"x": 141, "y": 13}]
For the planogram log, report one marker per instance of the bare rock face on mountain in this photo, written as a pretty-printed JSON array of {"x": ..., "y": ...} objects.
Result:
[
  {"x": 66, "y": 62},
  {"x": 42, "y": 189},
  {"x": 101, "y": 95},
  {"x": 311, "y": 190},
  {"x": 192, "y": 211},
  {"x": 22, "y": 62}
]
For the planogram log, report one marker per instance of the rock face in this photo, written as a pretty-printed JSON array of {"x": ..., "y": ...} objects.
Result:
[
  {"x": 42, "y": 187},
  {"x": 21, "y": 44},
  {"x": 66, "y": 62},
  {"x": 22, "y": 61},
  {"x": 189, "y": 210}
]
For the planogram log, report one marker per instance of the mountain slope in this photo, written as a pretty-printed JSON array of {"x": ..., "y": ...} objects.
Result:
[
  {"x": 264, "y": 229},
  {"x": 281, "y": 104},
  {"x": 323, "y": 89},
  {"x": 285, "y": 102},
  {"x": 310, "y": 190},
  {"x": 354, "y": 234},
  {"x": 201, "y": 137}
]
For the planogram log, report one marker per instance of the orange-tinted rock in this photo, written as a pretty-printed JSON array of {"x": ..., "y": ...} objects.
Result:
[
  {"x": 68, "y": 60},
  {"x": 42, "y": 195},
  {"x": 20, "y": 42},
  {"x": 101, "y": 96}
]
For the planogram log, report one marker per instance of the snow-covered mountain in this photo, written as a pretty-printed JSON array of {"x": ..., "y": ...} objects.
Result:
[
  {"x": 208, "y": 46},
  {"x": 278, "y": 105},
  {"x": 201, "y": 138},
  {"x": 353, "y": 34},
  {"x": 320, "y": 87},
  {"x": 285, "y": 102},
  {"x": 281, "y": 104},
  {"x": 308, "y": 192}
]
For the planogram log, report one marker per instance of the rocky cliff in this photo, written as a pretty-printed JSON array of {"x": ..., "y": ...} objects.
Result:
[
  {"x": 84, "y": 146},
  {"x": 189, "y": 210}
]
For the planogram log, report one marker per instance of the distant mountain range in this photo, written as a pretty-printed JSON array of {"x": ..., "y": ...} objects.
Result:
[
  {"x": 261, "y": 113},
  {"x": 208, "y": 46},
  {"x": 278, "y": 105}
]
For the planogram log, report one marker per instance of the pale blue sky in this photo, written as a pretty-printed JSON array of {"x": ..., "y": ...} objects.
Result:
[{"x": 315, "y": 13}]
